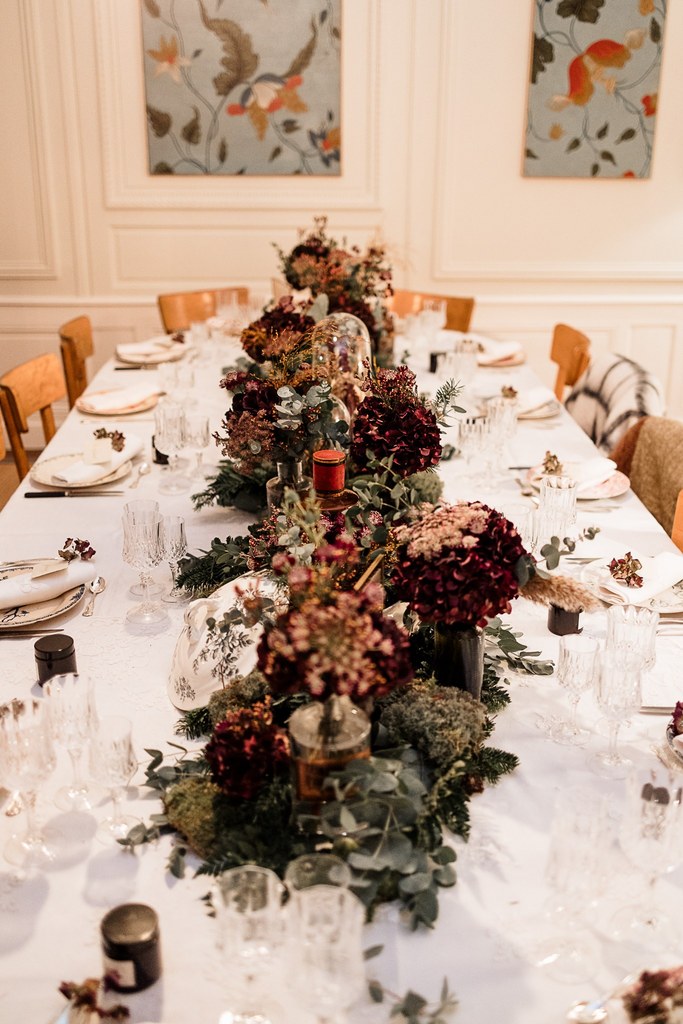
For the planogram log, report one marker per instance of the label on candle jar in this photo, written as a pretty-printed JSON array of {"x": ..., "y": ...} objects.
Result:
[
  {"x": 123, "y": 971},
  {"x": 329, "y": 471}
]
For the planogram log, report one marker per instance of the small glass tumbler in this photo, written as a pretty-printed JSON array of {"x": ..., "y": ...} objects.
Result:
[
  {"x": 632, "y": 632},
  {"x": 557, "y": 507},
  {"x": 618, "y": 692}
]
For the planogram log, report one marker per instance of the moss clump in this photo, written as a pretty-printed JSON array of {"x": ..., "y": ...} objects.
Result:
[
  {"x": 190, "y": 809},
  {"x": 428, "y": 485},
  {"x": 242, "y": 692}
]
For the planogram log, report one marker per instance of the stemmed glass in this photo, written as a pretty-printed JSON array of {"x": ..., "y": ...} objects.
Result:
[
  {"x": 576, "y": 670},
  {"x": 651, "y": 836},
  {"x": 169, "y": 438},
  {"x": 575, "y": 871},
  {"x": 328, "y": 922},
  {"x": 26, "y": 759},
  {"x": 71, "y": 705},
  {"x": 131, "y": 510},
  {"x": 197, "y": 438},
  {"x": 251, "y": 932},
  {"x": 113, "y": 763},
  {"x": 618, "y": 692},
  {"x": 143, "y": 549},
  {"x": 174, "y": 547}
]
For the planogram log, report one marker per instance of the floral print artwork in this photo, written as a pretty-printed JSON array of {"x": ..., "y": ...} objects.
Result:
[
  {"x": 243, "y": 86},
  {"x": 594, "y": 85}
]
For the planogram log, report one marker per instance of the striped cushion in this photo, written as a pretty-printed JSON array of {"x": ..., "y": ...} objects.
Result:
[{"x": 611, "y": 396}]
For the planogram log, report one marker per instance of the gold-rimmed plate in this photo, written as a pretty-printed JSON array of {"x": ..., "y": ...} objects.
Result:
[
  {"x": 30, "y": 614},
  {"x": 43, "y": 472},
  {"x": 83, "y": 405}
]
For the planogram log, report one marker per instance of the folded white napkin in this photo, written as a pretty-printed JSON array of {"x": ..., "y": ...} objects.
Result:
[
  {"x": 490, "y": 350},
  {"x": 21, "y": 589},
  {"x": 155, "y": 349},
  {"x": 120, "y": 398},
  {"x": 534, "y": 399},
  {"x": 659, "y": 573},
  {"x": 82, "y": 472},
  {"x": 590, "y": 473}
]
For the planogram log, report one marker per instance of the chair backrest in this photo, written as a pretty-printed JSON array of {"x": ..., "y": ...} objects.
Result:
[
  {"x": 570, "y": 349},
  {"x": 179, "y": 309},
  {"x": 657, "y": 468},
  {"x": 458, "y": 310},
  {"x": 677, "y": 529},
  {"x": 29, "y": 388},
  {"x": 75, "y": 339}
]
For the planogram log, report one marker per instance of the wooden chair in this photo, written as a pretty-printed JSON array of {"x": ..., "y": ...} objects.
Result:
[
  {"x": 677, "y": 529},
  {"x": 179, "y": 309},
  {"x": 458, "y": 311},
  {"x": 75, "y": 339},
  {"x": 29, "y": 388},
  {"x": 570, "y": 349}
]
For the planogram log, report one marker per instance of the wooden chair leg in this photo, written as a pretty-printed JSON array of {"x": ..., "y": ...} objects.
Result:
[{"x": 16, "y": 443}]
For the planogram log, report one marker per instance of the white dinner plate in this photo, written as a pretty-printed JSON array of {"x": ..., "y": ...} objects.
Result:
[
  {"x": 613, "y": 487},
  {"x": 29, "y": 614},
  {"x": 43, "y": 472},
  {"x": 164, "y": 354},
  {"x": 669, "y": 601}
]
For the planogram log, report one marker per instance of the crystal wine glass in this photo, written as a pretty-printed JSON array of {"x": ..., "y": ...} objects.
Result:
[
  {"x": 197, "y": 437},
  {"x": 143, "y": 549},
  {"x": 71, "y": 705},
  {"x": 618, "y": 692},
  {"x": 328, "y": 922},
  {"x": 132, "y": 509},
  {"x": 175, "y": 547},
  {"x": 169, "y": 438},
  {"x": 576, "y": 669},
  {"x": 113, "y": 764},
  {"x": 251, "y": 932},
  {"x": 26, "y": 759},
  {"x": 651, "y": 836}
]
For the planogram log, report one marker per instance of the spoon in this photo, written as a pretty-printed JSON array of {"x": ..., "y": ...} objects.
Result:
[
  {"x": 95, "y": 588},
  {"x": 143, "y": 469}
]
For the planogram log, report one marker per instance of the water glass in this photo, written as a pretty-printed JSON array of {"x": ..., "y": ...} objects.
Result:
[
  {"x": 143, "y": 549},
  {"x": 26, "y": 759},
  {"x": 577, "y": 666},
  {"x": 651, "y": 836},
  {"x": 618, "y": 692},
  {"x": 132, "y": 509},
  {"x": 197, "y": 437},
  {"x": 465, "y": 364},
  {"x": 252, "y": 935},
  {"x": 327, "y": 924},
  {"x": 174, "y": 542},
  {"x": 432, "y": 317},
  {"x": 113, "y": 764},
  {"x": 73, "y": 716},
  {"x": 556, "y": 508},
  {"x": 632, "y": 632},
  {"x": 169, "y": 438},
  {"x": 520, "y": 516}
]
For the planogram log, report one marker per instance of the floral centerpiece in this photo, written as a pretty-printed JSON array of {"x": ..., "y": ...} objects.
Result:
[
  {"x": 277, "y": 333},
  {"x": 353, "y": 281},
  {"x": 457, "y": 567}
]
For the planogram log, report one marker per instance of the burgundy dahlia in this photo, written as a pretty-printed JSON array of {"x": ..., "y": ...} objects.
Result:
[
  {"x": 457, "y": 564},
  {"x": 247, "y": 750},
  {"x": 393, "y": 421}
]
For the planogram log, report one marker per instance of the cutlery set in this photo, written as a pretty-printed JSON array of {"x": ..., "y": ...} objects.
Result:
[{"x": 81, "y": 493}]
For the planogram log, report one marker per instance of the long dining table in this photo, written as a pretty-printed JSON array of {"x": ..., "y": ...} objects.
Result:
[{"x": 484, "y": 939}]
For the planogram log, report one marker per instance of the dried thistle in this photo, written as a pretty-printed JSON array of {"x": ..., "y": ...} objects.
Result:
[
  {"x": 552, "y": 465},
  {"x": 626, "y": 570},
  {"x": 561, "y": 591},
  {"x": 507, "y": 391}
]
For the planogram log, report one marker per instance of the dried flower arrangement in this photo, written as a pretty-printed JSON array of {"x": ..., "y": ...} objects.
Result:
[
  {"x": 73, "y": 548},
  {"x": 552, "y": 465},
  {"x": 626, "y": 569},
  {"x": 118, "y": 440}
]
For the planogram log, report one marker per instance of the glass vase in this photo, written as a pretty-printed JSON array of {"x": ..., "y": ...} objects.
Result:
[
  {"x": 325, "y": 736},
  {"x": 459, "y": 657},
  {"x": 290, "y": 475}
]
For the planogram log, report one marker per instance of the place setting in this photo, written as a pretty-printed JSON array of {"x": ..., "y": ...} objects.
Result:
[
  {"x": 164, "y": 348},
  {"x": 126, "y": 401}
]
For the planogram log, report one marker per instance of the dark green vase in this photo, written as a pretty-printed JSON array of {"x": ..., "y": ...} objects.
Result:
[{"x": 459, "y": 657}]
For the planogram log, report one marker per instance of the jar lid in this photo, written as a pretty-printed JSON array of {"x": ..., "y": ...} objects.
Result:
[
  {"x": 329, "y": 457},
  {"x": 130, "y": 923},
  {"x": 53, "y": 646}
]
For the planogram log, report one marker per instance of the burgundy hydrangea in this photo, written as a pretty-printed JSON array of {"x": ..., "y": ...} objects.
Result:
[
  {"x": 677, "y": 718},
  {"x": 282, "y": 320},
  {"x": 393, "y": 421},
  {"x": 247, "y": 750},
  {"x": 457, "y": 564}
]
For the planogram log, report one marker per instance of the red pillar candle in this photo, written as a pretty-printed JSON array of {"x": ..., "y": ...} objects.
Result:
[{"x": 329, "y": 471}]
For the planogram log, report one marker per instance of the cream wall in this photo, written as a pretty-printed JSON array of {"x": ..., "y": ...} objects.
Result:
[{"x": 434, "y": 113}]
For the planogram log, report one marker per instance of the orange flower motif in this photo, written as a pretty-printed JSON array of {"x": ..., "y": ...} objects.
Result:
[
  {"x": 628, "y": 174},
  {"x": 556, "y": 131},
  {"x": 646, "y": 7},
  {"x": 267, "y": 95},
  {"x": 167, "y": 59},
  {"x": 588, "y": 69},
  {"x": 650, "y": 104}
]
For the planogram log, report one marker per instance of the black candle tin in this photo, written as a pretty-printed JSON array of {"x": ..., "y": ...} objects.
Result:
[
  {"x": 55, "y": 655},
  {"x": 131, "y": 950}
]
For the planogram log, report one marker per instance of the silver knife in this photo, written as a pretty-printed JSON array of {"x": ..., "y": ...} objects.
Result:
[
  {"x": 656, "y": 709},
  {"x": 85, "y": 493}
]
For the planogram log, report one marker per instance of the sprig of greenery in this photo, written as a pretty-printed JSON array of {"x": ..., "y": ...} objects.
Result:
[
  {"x": 231, "y": 489},
  {"x": 505, "y": 647},
  {"x": 204, "y": 573},
  {"x": 413, "y": 1008},
  {"x": 444, "y": 402}
]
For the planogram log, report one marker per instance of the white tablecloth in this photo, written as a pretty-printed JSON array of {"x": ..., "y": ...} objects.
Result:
[{"x": 49, "y": 924}]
